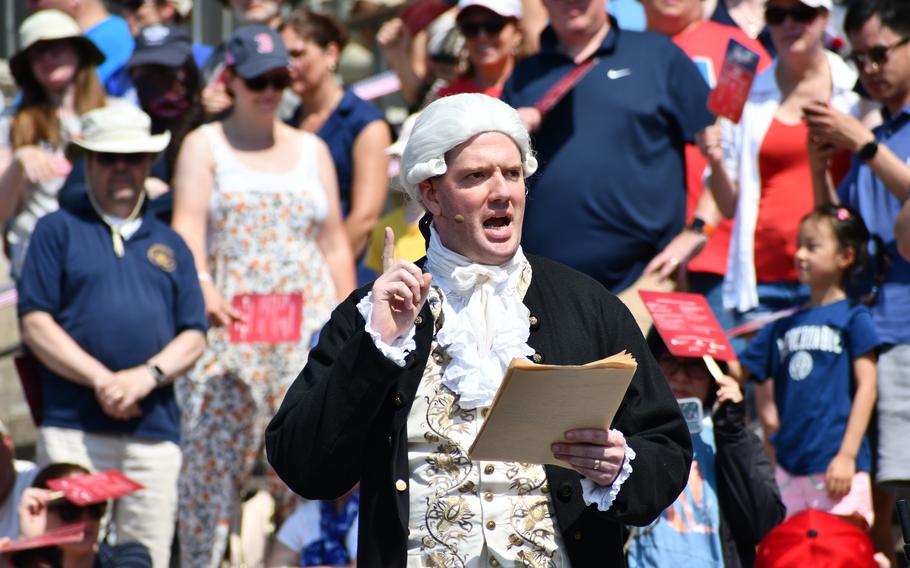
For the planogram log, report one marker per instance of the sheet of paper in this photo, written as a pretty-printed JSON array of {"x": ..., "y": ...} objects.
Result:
[
  {"x": 93, "y": 488},
  {"x": 687, "y": 325},
  {"x": 267, "y": 318},
  {"x": 537, "y": 404}
]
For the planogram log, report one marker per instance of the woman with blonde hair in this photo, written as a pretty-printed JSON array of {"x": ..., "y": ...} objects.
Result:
[{"x": 55, "y": 68}]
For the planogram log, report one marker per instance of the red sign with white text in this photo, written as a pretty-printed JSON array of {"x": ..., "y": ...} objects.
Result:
[
  {"x": 267, "y": 318},
  {"x": 93, "y": 488},
  {"x": 60, "y": 535},
  {"x": 734, "y": 81},
  {"x": 687, "y": 325}
]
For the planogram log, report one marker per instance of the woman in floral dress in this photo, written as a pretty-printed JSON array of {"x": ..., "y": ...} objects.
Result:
[{"x": 257, "y": 203}]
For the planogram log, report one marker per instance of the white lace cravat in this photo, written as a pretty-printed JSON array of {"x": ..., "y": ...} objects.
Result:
[{"x": 485, "y": 321}]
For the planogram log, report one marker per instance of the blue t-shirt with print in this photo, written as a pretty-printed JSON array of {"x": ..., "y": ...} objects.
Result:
[{"x": 810, "y": 356}]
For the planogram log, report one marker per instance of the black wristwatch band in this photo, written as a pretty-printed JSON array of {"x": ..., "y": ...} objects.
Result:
[
  {"x": 697, "y": 225},
  {"x": 868, "y": 151}
]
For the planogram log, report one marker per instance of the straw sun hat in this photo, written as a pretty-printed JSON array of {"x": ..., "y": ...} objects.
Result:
[{"x": 49, "y": 25}]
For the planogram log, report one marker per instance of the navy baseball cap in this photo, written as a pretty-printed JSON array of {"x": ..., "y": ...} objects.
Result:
[
  {"x": 255, "y": 50},
  {"x": 161, "y": 45}
]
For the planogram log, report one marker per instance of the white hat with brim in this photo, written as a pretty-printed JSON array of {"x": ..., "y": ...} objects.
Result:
[
  {"x": 50, "y": 25},
  {"x": 119, "y": 129},
  {"x": 826, "y": 4}
]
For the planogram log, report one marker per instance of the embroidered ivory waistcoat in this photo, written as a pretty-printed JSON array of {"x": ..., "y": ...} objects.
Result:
[{"x": 465, "y": 513}]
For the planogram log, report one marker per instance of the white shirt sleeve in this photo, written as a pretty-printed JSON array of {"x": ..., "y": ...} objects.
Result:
[
  {"x": 399, "y": 349},
  {"x": 601, "y": 496}
]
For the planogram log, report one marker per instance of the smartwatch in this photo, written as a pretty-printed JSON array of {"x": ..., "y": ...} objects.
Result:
[
  {"x": 699, "y": 226},
  {"x": 158, "y": 374},
  {"x": 868, "y": 151}
]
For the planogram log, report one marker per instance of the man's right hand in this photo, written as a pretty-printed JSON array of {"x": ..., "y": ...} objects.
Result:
[
  {"x": 219, "y": 311},
  {"x": 398, "y": 295},
  {"x": 33, "y": 511}
]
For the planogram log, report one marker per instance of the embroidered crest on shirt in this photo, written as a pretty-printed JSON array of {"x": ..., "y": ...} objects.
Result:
[{"x": 162, "y": 256}]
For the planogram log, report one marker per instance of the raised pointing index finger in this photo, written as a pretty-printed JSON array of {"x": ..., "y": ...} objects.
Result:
[{"x": 388, "y": 249}]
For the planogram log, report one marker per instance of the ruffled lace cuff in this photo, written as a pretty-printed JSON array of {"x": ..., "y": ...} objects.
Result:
[
  {"x": 601, "y": 496},
  {"x": 399, "y": 349}
]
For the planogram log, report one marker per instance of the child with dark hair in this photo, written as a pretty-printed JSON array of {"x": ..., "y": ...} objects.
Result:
[{"x": 822, "y": 360}]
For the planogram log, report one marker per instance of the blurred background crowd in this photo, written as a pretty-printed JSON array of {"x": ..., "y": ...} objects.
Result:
[{"x": 171, "y": 170}]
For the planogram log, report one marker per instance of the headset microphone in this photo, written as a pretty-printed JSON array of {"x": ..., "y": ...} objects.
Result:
[{"x": 458, "y": 217}]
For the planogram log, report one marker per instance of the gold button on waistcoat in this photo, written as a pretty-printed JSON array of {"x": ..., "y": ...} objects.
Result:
[
  {"x": 491, "y": 525},
  {"x": 488, "y": 496},
  {"x": 494, "y": 562},
  {"x": 401, "y": 485},
  {"x": 489, "y": 469}
]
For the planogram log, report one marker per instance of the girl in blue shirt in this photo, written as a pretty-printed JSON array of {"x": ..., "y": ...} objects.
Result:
[{"x": 822, "y": 361}]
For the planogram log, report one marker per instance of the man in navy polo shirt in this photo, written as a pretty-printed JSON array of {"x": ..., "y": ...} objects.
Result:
[
  {"x": 110, "y": 304},
  {"x": 877, "y": 184},
  {"x": 610, "y": 192}
]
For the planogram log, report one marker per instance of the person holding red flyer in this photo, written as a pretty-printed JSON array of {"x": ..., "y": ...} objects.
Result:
[
  {"x": 257, "y": 203},
  {"x": 42, "y": 512}
]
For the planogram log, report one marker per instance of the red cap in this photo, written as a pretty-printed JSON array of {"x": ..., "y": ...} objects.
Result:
[{"x": 815, "y": 539}]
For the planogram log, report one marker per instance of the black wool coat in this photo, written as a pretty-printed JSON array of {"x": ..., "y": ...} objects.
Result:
[{"x": 344, "y": 420}]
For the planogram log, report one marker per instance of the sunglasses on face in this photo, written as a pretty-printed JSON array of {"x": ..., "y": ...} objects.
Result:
[
  {"x": 800, "y": 13},
  {"x": 70, "y": 513},
  {"x": 876, "y": 55},
  {"x": 261, "y": 83},
  {"x": 691, "y": 368},
  {"x": 491, "y": 27},
  {"x": 111, "y": 158}
]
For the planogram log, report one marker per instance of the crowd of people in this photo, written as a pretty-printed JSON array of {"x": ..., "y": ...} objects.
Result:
[{"x": 217, "y": 258}]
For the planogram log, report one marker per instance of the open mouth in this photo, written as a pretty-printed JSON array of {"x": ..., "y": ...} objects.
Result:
[{"x": 497, "y": 222}]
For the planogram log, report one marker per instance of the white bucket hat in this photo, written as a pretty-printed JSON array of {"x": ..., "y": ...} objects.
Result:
[
  {"x": 50, "y": 25},
  {"x": 120, "y": 129}
]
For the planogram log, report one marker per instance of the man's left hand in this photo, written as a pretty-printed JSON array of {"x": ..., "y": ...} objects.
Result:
[
  {"x": 827, "y": 125},
  {"x": 595, "y": 454},
  {"x": 120, "y": 397},
  {"x": 679, "y": 251}
]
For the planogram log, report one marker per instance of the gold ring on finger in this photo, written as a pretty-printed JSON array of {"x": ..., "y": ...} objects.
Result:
[{"x": 596, "y": 465}]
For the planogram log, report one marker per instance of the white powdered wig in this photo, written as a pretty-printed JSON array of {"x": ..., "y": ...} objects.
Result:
[{"x": 450, "y": 121}]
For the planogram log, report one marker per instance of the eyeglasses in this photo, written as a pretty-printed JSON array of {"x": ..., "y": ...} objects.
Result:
[
  {"x": 691, "y": 368},
  {"x": 71, "y": 513},
  {"x": 800, "y": 13},
  {"x": 111, "y": 158},
  {"x": 261, "y": 83},
  {"x": 490, "y": 26},
  {"x": 876, "y": 55}
]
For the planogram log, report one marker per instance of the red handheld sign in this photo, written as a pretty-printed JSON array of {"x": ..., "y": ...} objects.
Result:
[
  {"x": 687, "y": 325},
  {"x": 267, "y": 318},
  {"x": 93, "y": 488},
  {"x": 734, "y": 81}
]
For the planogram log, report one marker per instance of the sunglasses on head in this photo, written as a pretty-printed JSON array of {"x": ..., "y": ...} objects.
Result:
[
  {"x": 800, "y": 13},
  {"x": 71, "y": 513},
  {"x": 261, "y": 83},
  {"x": 111, "y": 158},
  {"x": 491, "y": 27},
  {"x": 876, "y": 55}
]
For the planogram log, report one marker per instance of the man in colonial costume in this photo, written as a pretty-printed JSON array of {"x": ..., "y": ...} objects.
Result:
[{"x": 398, "y": 387}]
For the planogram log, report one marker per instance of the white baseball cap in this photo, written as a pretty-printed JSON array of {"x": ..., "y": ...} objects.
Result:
[
  {"x": 504, "y": 8},
  {"x": 826, "y": 4}
]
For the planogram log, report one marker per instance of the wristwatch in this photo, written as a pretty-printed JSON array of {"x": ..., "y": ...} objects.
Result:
[
  {"x": 868, "y": 151},
  {"x": 699, "y": 226},
  {"x": 158, "y": 374}
]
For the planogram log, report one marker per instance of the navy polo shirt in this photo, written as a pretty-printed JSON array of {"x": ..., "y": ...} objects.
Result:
[
  {"x": 864, "y": 192},
  {"x": 611, "y": 187},
  {"x": 122, "y": 311},
  {"x": 339, "y": 132}
]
